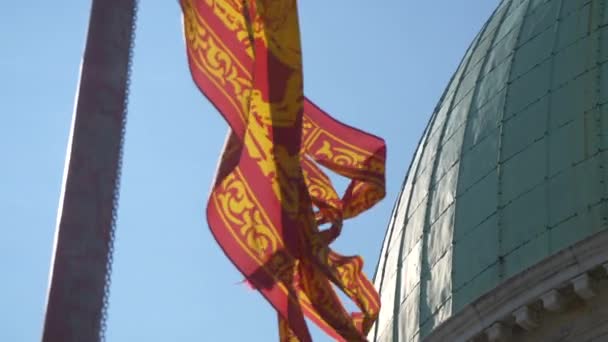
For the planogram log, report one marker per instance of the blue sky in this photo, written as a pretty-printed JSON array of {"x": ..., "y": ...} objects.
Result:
[{"x": 378, "y": 65}]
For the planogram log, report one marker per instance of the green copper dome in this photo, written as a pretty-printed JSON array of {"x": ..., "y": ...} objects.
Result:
[{"x": 510, "y": 169}]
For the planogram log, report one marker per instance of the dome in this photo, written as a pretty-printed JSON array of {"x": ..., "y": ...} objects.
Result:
[{"x": 510, "y": 169}]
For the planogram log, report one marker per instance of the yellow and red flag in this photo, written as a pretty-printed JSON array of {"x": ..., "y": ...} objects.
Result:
[{"x": 245, "y": 57}]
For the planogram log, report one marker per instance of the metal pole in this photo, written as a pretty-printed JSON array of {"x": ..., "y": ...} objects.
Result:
[{"x": 80, "y": 269}]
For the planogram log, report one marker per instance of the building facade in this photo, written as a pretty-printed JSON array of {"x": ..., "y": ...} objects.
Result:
[{"x": 499, "y": 232}]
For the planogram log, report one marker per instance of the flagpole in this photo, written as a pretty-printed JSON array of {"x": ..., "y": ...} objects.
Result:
[{"x": 82, "y": 251}]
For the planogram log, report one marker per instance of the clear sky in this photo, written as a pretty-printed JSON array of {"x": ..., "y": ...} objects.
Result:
[{"x": 378, "y": 65}]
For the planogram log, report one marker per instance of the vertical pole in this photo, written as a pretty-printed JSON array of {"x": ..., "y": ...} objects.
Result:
[{"x": 79, "y": 276}]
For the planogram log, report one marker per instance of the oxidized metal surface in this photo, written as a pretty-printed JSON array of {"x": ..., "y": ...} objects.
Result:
[
  {"x": 80, "y": 273},
  {"x": 510, "y": 170}
]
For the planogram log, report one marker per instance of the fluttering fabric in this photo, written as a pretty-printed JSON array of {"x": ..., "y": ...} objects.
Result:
[{"x": 270, "y": 196}]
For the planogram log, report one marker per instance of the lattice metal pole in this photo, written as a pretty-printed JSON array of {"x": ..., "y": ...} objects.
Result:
[{"x": 82, "y": 256}]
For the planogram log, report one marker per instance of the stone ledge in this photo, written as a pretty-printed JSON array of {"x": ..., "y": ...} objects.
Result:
[{"x": 520, "y": 301}]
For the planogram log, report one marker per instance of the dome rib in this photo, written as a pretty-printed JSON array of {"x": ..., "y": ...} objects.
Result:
[
  {"x": 548, "y": 121},
  {"x": 510, "y": 168},
  {"x": 476, "y": 95},
  {"x": 601, "y": 51},
  {"x": 426, "y": 266},
  {"x": 381, "y": 268},
  {"x": 410, "y": 177},
  {"x": 499, "y": 168}
]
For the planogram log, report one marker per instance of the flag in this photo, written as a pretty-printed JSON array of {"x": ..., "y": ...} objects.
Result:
[{"x": 270, "y": 195}]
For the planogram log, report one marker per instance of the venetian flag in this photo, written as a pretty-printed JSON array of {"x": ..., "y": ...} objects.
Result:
[{"x": 270, "y": 195}]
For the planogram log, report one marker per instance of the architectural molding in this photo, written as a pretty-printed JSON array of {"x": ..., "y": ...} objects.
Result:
[
  {"x": 554, "y": 301},
  {"x": 519, "y": 303}
]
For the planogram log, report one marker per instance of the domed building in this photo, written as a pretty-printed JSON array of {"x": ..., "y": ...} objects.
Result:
[{"x": 499, "y": 232}]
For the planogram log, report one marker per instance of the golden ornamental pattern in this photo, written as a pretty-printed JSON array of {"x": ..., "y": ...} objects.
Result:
[
  {"x": 273, "y": 32},
  {"x": 230, "y": 12},
  {"x": 245, "y": 217},
  {"x": 211, "y": 56}
]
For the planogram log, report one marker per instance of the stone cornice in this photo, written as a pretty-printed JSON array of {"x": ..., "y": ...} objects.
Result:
[{"x": 521, "y": 299}]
